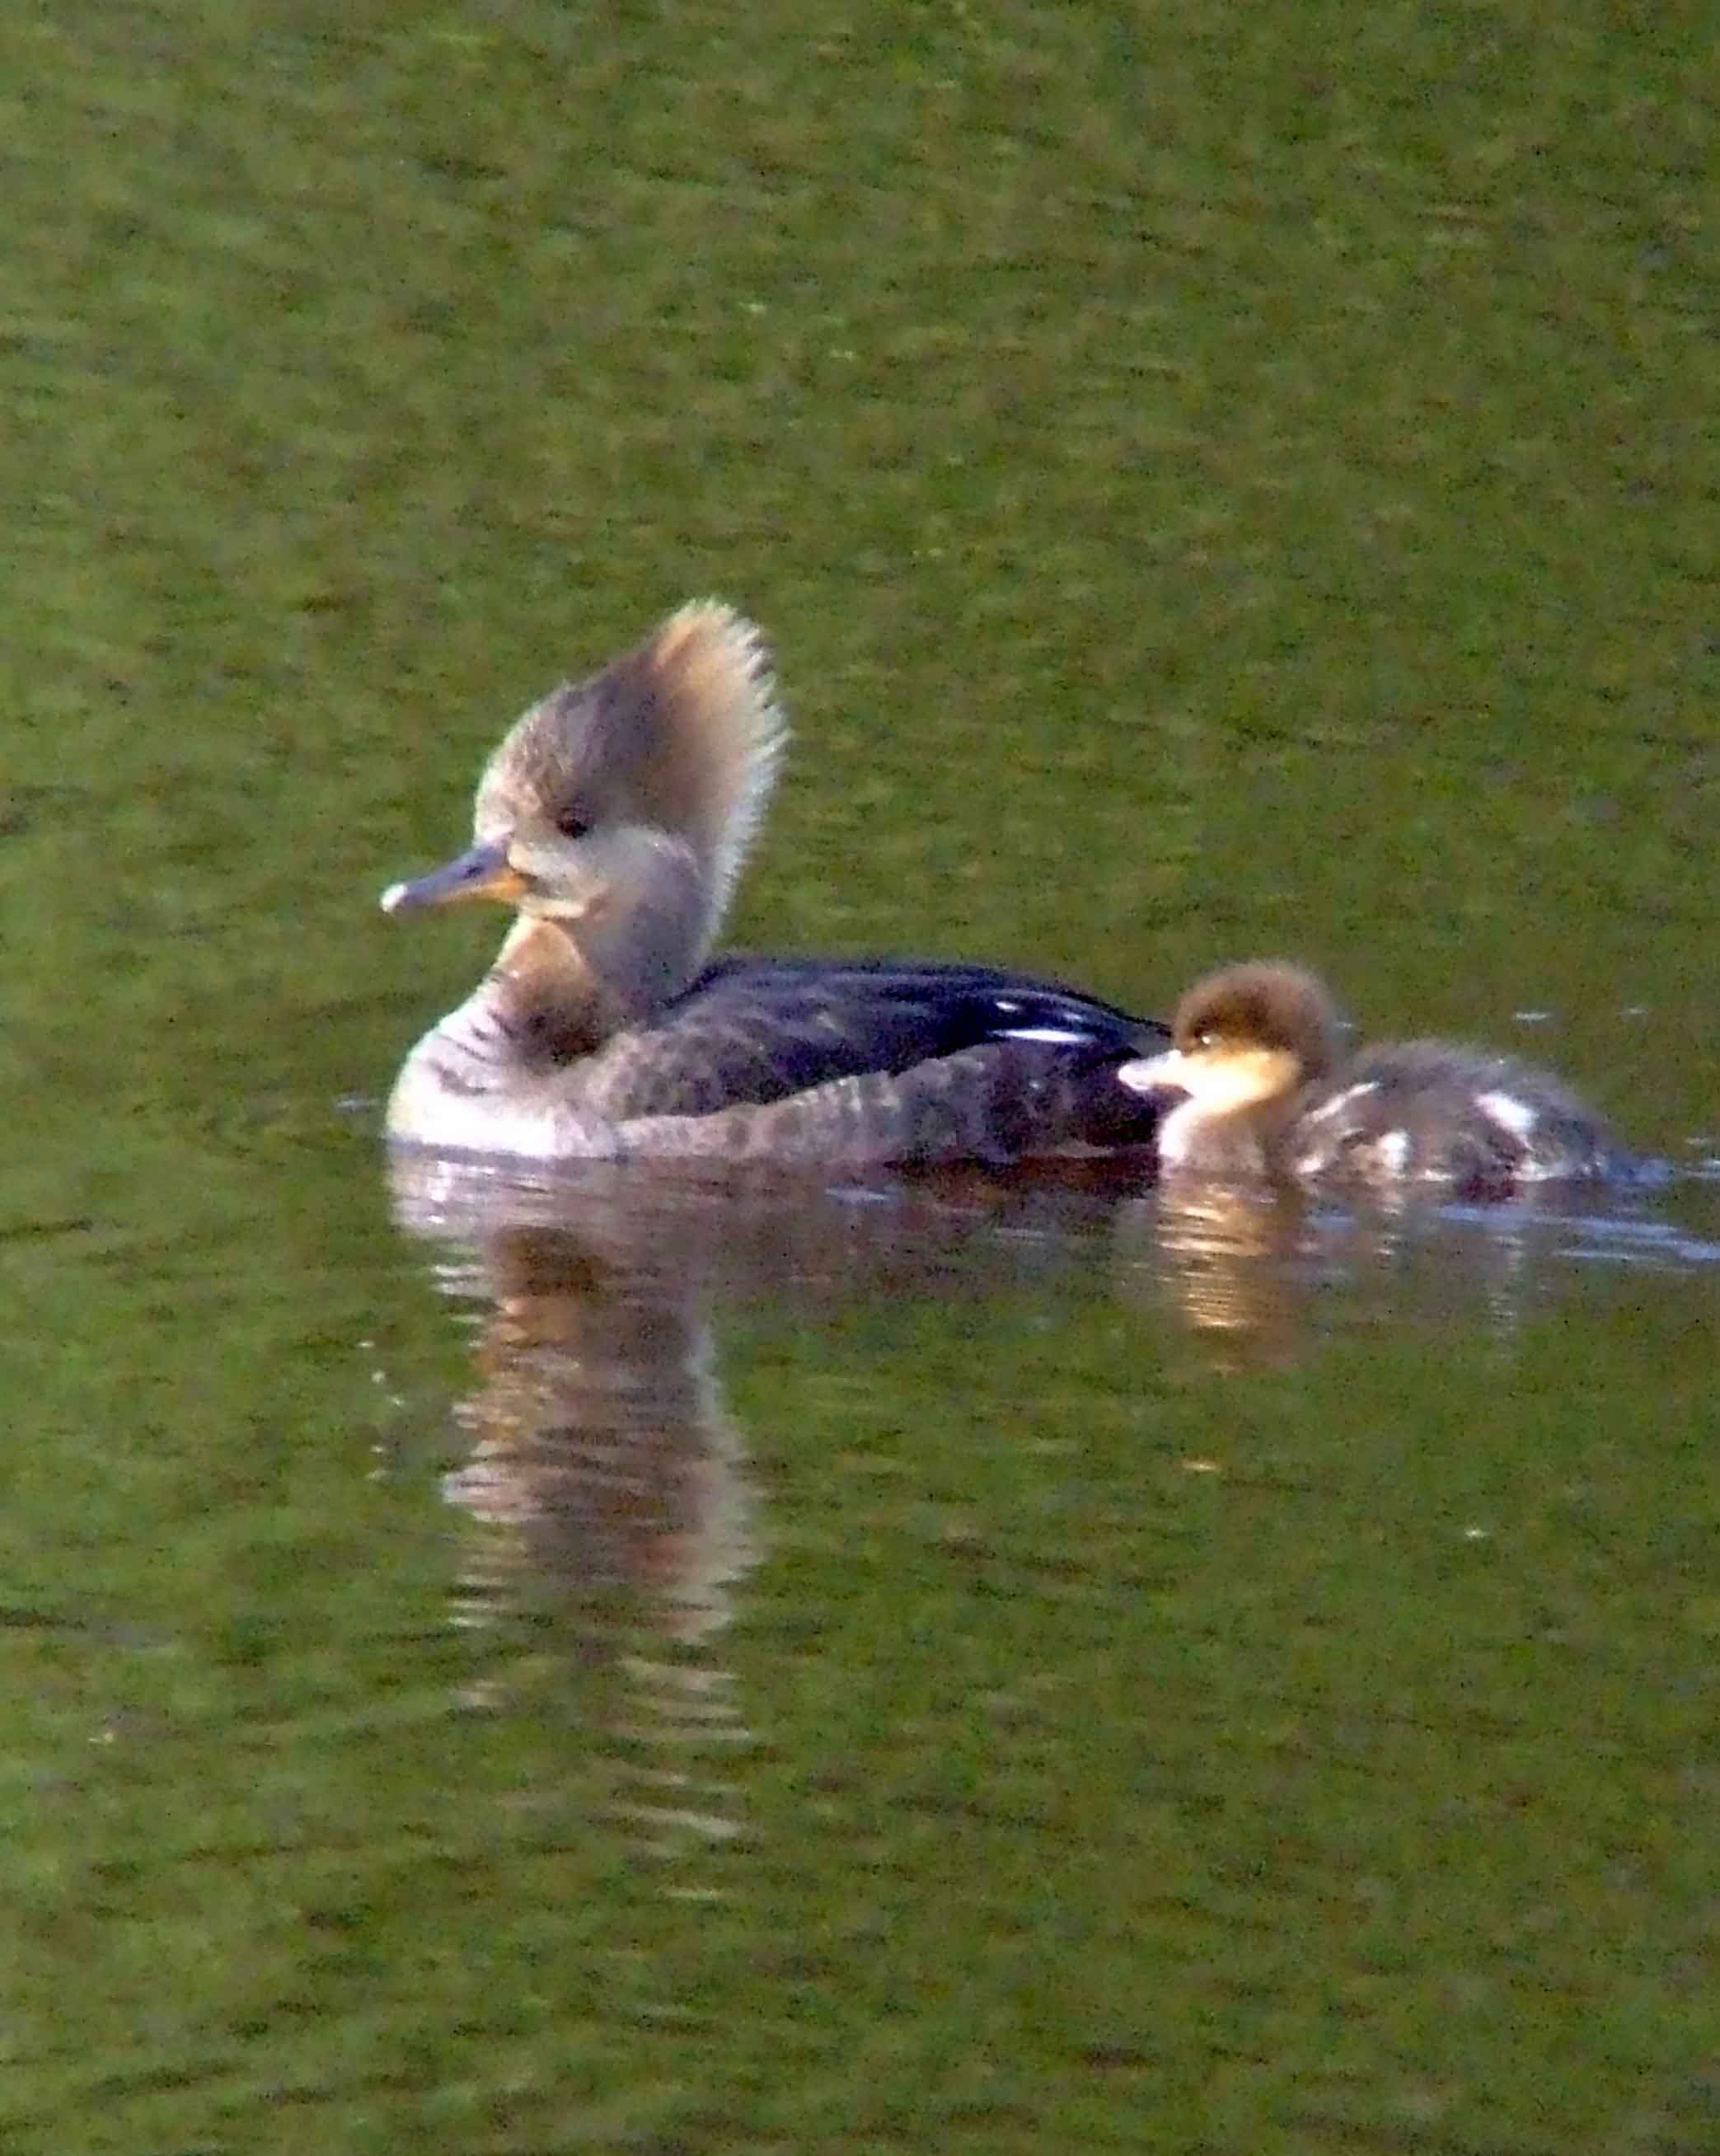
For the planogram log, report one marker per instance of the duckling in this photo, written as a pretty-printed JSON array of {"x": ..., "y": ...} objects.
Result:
[
  {"x": 615, "y": 817},
  {"x": 1257, "y": 1052}
]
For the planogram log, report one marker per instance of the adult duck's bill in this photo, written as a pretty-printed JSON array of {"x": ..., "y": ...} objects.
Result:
[{"x": 481, "y": 872}]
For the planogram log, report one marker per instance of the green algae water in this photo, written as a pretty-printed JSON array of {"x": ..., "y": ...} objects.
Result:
[{"x": 531, "y": 1668}]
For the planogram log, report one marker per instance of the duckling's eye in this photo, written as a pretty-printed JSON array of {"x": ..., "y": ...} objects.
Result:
[{"x": 572, "y": 824}]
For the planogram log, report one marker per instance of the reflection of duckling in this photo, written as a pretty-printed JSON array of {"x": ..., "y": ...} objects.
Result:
[
  {"x": 615, "y": 816},
  {"x": 1256, "y": 1051}
]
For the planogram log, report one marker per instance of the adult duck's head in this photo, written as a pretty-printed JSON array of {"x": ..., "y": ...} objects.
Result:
[{"x": 616, "y": 813}]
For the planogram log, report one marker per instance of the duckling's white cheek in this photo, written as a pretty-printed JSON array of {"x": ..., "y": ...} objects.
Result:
[{"x": 1227, "y": 1079}]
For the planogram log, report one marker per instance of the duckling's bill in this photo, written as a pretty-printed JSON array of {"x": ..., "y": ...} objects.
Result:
[
  {"x": 481, "y": 871},
  {"x": 1147, "y": 1074}
]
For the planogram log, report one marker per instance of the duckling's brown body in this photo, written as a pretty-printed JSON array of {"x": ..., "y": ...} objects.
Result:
[
  {"x": 615, "y": 816},
  {"x": 1268, "y": 1092}
]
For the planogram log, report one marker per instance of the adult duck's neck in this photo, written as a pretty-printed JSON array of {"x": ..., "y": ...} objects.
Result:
[
  {"x": 559, "y": 992},
  {"x": 542, "y": 1005}
]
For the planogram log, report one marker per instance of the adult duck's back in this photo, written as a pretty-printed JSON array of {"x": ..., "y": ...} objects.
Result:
[{"x": 808, "y": 1058}]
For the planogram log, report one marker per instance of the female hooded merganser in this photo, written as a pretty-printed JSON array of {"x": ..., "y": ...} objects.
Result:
[
  {"x": 1256, "y": 1051},
  {"x": 615, "y": 817}
]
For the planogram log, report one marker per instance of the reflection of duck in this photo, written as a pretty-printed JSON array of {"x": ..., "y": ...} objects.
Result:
[
  {"x": 615, "y": 816},
  {"x": 601, "y": 1453},
  {"x": 1256, "y": 1051}
]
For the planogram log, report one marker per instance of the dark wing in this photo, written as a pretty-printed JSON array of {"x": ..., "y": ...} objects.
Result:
[{"x": 749, "y": 1031}]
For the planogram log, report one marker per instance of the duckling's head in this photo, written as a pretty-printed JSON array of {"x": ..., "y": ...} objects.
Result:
[
  {"x": 1245, "y": 1038},
  {"x": 619, "y": 810}
]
